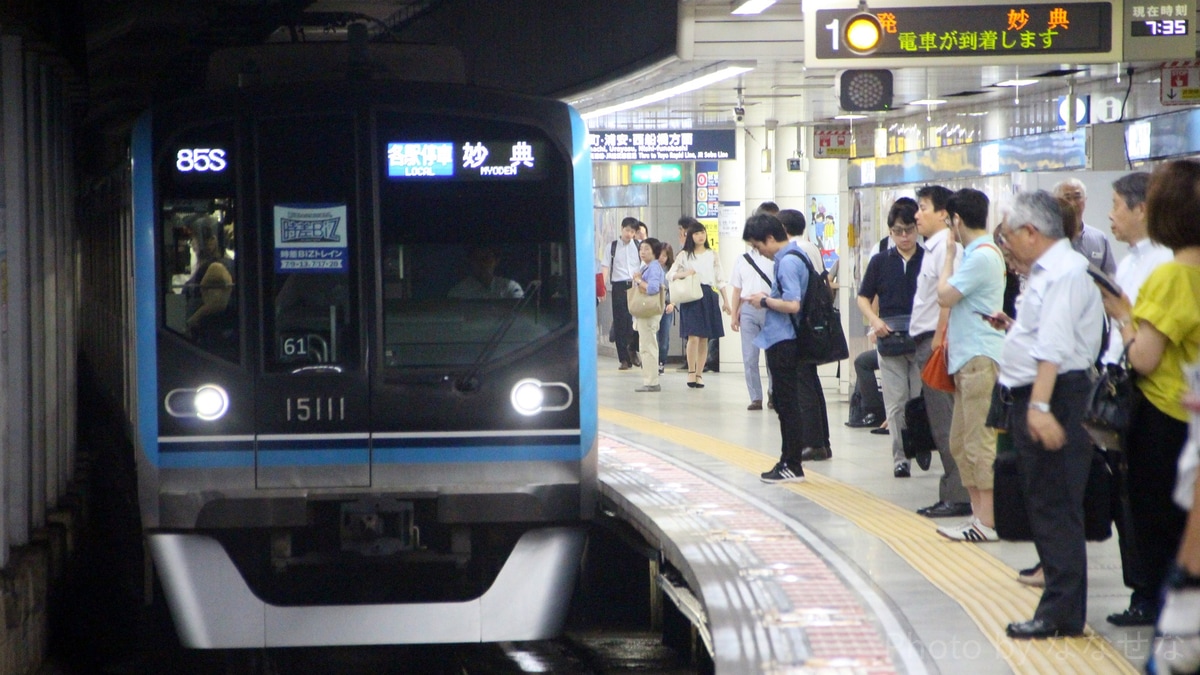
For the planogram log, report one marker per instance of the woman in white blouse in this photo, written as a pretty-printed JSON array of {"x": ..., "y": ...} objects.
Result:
[{"x": 700, "y": 320}]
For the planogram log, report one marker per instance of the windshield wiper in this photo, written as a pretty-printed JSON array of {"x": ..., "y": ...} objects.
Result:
[{"x": 470, "y": 381}]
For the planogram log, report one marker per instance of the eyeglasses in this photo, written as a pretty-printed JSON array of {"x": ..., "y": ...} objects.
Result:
[
  {"x": 1073, "y": 196},
  {"x": 904, "y": 231}
]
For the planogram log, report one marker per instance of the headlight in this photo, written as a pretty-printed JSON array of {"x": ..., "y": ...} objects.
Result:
[
  {"x": 529, "y": 396},
  {"x": 207, "y": 402}
]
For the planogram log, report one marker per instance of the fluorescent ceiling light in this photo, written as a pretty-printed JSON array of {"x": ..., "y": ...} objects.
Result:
[
  {"x": 690, "y": 85},
  {"x": 1016, "y": 83},
  {"x": 752, "y": 6},
  {"x": 850, "y": 117},
  {"x": 928, "y": 101}
]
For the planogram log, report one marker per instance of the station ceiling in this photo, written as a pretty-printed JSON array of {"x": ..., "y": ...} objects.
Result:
[{"x": 592, "y": 54}]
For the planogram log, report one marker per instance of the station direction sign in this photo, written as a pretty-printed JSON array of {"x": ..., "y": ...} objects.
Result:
[
  {"x": 651, "y": 145},
  {"x": 953, "y": 32},
  {"x": 656, "y": 173}
]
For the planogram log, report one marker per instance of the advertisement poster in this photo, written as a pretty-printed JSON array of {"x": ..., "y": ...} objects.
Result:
[
  {"x": 823, "y": 228},
  {"x": 310, "y": 238}
]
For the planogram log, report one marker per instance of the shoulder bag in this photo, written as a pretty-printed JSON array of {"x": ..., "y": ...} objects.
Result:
[
  {"x": 686, "y": 289},
  {"x": 898, "y": 342},
  {"x": 936, "y": 372},
  {"x": 645, "y": 306},
  {"x": 1109, "y": 404}
]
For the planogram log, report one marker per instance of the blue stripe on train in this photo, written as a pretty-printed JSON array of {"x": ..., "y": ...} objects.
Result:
[{"x": 411, "y": 451}]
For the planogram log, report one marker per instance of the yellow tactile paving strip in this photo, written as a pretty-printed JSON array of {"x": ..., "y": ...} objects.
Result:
[{"x": 985, "y": 588}]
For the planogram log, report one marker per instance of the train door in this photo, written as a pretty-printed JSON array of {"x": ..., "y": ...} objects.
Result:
[{"x": 312, "y": 394}]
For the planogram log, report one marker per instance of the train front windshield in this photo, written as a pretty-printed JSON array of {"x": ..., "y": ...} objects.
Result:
[{"x": 473, "y": 245}]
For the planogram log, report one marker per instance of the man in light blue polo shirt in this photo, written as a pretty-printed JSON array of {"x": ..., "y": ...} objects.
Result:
[{"x": 974, "y": 346}]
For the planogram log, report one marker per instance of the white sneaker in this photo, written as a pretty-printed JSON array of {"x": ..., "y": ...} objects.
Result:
[{"x": 971, "y": 530}]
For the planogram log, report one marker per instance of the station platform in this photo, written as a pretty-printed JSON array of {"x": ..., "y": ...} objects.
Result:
[{"x": 837, "y": 574}]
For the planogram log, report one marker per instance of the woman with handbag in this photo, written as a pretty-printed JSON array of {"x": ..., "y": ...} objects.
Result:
[
  {"x": 699, "y": 317},
  {"x": 647, "y": 303},
  {"x": 1161, "y": 334}
]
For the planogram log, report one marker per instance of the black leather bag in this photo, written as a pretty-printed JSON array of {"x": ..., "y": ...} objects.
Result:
[
  {"x": 917, "y": 436},
  {"x": 898, "y": 342},
  {"x": 1110, "y": 404},
  {"x": 1012, "y": 519}
]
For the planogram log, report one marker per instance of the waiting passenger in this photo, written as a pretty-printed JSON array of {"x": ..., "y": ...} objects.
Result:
[
  {"x": 666, "y": 258},
  {"x": 1089, "y": 241},
  {"x": 482, "y": 282},
  {"x": 700, "y": 319},
  {"x": 974, "y": 348},
  {"x": 1045, "y": 368},
  {"x": 651, "y": 280},
  {"x": 891, "y": 278},
  {"x": 751, "y": 276},
  {"x": 1161, "y": 334},
  {"x": 927, "y": 315}
]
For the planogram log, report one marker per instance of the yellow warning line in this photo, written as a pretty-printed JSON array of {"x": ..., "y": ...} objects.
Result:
[{"x": 985, "y": 587}]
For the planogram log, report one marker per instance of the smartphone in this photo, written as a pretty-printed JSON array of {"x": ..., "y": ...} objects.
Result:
[
  {"x": 985, "y": 315},
  {"x": 1103, "y": 280}
]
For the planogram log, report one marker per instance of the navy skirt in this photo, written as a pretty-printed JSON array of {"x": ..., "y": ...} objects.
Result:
[{"x": 702, "y": 318}]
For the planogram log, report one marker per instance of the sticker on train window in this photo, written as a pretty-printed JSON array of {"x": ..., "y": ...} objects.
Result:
[{"x": 310, "y": 238}]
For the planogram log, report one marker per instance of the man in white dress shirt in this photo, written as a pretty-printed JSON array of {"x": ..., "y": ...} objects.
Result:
[
  {"x": 618, "y": 268},
  {"x": 932, "y": 223},
  {"x": 1045, "y": 370}
]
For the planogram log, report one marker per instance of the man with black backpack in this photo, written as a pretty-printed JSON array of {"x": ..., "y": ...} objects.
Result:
[{"x": 803, "y": 423}]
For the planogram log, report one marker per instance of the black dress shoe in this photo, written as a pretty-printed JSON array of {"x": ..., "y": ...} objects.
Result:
[
  {"x": 1134, "y": 616},
  {"x": 868, "y": 420},
  {"x": 815, "y": 454},
  {"x": 1035, "y": 629},
  {"x": 946, "y": 510},
  {"x": 924, "y": 459}
]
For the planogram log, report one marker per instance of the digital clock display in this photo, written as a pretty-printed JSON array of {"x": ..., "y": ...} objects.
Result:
[{"x": 1159, "y": 27}]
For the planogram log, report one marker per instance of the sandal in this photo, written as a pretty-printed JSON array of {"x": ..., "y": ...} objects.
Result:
[{"x": 691, "y": 383}]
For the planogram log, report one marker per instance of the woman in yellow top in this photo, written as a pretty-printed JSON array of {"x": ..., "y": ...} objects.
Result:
[{"x": 1162, "y": 334}]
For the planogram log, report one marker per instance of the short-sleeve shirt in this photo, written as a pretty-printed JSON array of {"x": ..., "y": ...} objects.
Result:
[
  {"x": 981, "y": 279},
  {"x": 893, "y": 279},
  {"x": 1170, "y": 301},
  {"x": 791, "y": 279}
]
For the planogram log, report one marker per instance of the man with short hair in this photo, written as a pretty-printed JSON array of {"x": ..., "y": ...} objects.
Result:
[
  {"x": 794, "y": 224},
  {"x": 1045, "y": 369},
  {"x": 1128, "y": 221},
  {"x": 618, "y": 268},
  {"x": 932, "y": 220},
  {"x": 1087, "y": 240},
  {"x": 974, "y": 347},
  {"x": 891, "y": 277},
  {"x": 795, "y": 382},
  {"x": 751, "y": 276}
]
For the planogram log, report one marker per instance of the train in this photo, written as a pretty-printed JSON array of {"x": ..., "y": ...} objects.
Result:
[{"x": 354, "y": 316}]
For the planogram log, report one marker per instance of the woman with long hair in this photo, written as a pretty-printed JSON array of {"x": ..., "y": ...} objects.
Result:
[{"x": 700, "y": 319}]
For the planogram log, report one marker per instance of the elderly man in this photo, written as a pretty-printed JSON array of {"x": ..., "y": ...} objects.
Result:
[
  {"x": 1045, "y": 371},
  {"x": 1087, "y": 240}
]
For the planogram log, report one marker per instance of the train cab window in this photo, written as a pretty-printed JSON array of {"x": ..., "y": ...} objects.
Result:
[
  {"x": 200, "y": 296},
  {"x": 306, "y": 181},
  {"x": 473, "y": 249}
]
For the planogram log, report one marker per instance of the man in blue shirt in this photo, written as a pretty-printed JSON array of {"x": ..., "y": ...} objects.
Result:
[{"x": 796, "y": 383}]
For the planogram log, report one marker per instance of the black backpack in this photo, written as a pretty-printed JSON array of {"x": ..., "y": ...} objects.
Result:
[{"x": 819, "y": 323}]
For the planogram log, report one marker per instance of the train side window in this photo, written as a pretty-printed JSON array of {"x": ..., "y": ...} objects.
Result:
[{"x": 200, "y": 299}]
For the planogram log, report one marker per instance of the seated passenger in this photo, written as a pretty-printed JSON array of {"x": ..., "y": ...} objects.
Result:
[{"x": 482, "y": 282}]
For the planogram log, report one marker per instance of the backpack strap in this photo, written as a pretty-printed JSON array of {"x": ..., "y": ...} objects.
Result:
[{"x": 756, "y": 268}]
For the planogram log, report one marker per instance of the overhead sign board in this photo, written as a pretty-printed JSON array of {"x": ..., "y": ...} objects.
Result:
[
  {"x": 943, "y": 33},
  {"x": 1159, "y": 30},
  {"x": 680, "y": 145},
  {"x": 832, "y": 143}
]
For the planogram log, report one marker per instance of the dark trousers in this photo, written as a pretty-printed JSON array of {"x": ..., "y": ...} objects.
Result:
[
  {"x": 1145, "y": 595},
  {"x": 1054, "y": 484},
  {"x": 865, "y": 365},
  {"x": 799, "y": 402},
  {"x": 1155, "y": 441},
  {"x": 664, "y": 337},
  {"x": 626, "y": 337}
]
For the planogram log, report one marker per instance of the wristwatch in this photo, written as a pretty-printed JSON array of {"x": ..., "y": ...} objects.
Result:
[
  {"x": 762, "y": 302},
  {"x": 1039, "y": 406}
]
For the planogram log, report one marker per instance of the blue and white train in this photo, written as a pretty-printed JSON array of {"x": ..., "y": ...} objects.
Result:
[{"x": 361, "y": 372}]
